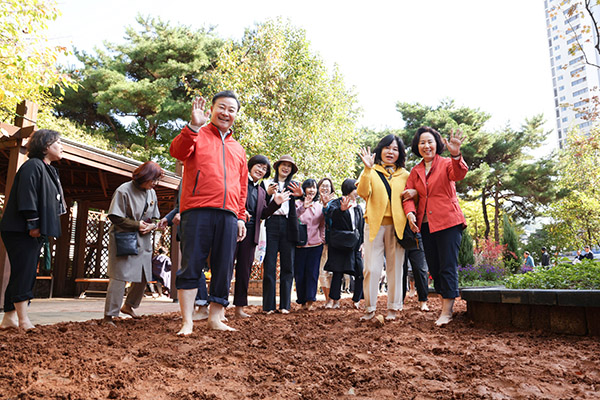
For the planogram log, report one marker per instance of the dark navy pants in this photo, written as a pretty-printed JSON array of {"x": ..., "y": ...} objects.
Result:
[
  {"x": 441, "y": 252},
  {"x": 207, "y": 232},
  {"x": 278, "y": 242},
  {"x": 419, "y": 269},
  {"x": 244, "y": 259},
  {"x": 306, "y": 272}
]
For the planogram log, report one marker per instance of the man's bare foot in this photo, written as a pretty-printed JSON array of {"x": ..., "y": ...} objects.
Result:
[
  {"x": 223, "y": 317},
  {"x": 9, "y": 320},
  {"x": 329, "y": 304},
  {"x": 368, "y": 316},
  {"x": 357, "y": 305},
  {"x": 423, "y": 305},
  {"x": 126, "y": 309},
  {"x": 219, "y": 326},
  {"x": 186, "y": 329},
  {"x": 239, "y": 313},
  {"x": 309, "y": 305},
  {"x": 200, "y": 313},
  {"x": 285, "y": 311},
  {"x": 336, "y": 304},
  {"x": 443, "y": 320},
  {"x": 108, "y": 320}
]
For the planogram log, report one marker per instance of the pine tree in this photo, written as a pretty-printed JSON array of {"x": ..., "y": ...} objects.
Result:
[{"x": 465, "y": 252}]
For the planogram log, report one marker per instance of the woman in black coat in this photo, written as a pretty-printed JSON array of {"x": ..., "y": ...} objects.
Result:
[
  {"x": 346, "y": 236},
  {"x": 32, "y": 212},
  {"x": 257, "y": 209}
]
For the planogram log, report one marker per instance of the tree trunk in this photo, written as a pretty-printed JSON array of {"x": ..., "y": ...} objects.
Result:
[
  {"x": 486, "y": 234},
  {"x": 496, "y": 217}
]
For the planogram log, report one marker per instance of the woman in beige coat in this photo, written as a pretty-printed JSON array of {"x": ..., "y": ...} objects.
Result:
[{"x": 134, "y": 208}]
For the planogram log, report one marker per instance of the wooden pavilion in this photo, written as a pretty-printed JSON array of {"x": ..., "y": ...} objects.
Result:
[{"x": 89, "y": 177}]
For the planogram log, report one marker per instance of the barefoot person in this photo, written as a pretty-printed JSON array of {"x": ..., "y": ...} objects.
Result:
[
  {"x": 385, "y": 220},
  {"x": 437, "y": 214},
  {"x": 33, "y": 210},
  {"x": 212, "y": 206},
  {"x": 134, "y": 208}
]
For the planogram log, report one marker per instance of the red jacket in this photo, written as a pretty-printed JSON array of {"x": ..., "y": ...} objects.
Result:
[
  {"x": 215, "y": 172},
  {"x": 437, "y": 193}
]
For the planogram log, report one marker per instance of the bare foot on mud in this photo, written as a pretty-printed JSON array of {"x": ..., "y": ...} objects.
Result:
[
  {"x": 368, "y": 316},
  {"x": 219, "y": 326},
  {"x": 200, "y": 313},
  {"x": 126, "y": 309},
  {"x": 423, "y": 306},
  {"x": 240, "y": 313},
  {"x": 391, "y": 315},
  {"x": 443, "y": 320},
  {"x": 10, "y": 320},
  {"x": 186, "y": 329}
]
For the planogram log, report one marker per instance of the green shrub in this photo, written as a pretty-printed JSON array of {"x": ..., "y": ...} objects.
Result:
[{"x": 583, "y": 276}]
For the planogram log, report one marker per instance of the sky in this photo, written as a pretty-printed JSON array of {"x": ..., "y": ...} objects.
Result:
[{"x": 490, "y": 55}]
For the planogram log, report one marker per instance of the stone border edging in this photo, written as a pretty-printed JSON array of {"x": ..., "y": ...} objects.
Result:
[{"x": 573, "y": 312}]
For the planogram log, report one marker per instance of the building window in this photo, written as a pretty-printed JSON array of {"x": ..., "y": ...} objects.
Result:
[
  {"x": 580, "y": 115},
  {"x": 580, "y": 103},
  {"x": 578, "y": 81},
  {"x": 585, "y": 124},
  {"x": 561, "y": 88},
  {"x": 562, "y": 98},
  {"x": 558, "y": 57},
  {"x": 575, "y": 60},
  {"x": 565, "y": 119},
  {"x": 573, "y": 18},
  {"x": 555, "y": 27},
  {"x": 560, "y": 77},
  {"x": 556, "y": 47},
  {"x": 580, "y": 92},
  {"x": 576, "y": 71},
  {"x": 573, "y": 39}
]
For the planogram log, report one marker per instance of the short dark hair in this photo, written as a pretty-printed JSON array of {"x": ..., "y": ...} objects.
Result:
[
  {"x": 330, "y": 184},
  {"x": 226, "y": 93},
  {"x": 148, "y": 171},
  {"x": 348, "y": 186},
  {"x": 260, "y": 159},
  {"x": 385, "y": 142},
  {"x": 38, "y": 144},
  {"x": 308, "y": 184},
  {"x": 439, "y": 145},
  {"x": 543, "y": 249}
]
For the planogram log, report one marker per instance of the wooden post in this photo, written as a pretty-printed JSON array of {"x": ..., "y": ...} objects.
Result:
[
  {"x": 80, "y": 244},
  {"x": 61, "y": 260},
  {"x": 27, "y": 115}
]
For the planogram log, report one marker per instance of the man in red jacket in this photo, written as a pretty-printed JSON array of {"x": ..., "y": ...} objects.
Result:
[{"x": 212, "y": 205}]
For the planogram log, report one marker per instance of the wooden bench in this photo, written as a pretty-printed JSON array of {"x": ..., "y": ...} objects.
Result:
[
  {"x": 94, "y": 286},
  {"x": 83, "y": 286}
]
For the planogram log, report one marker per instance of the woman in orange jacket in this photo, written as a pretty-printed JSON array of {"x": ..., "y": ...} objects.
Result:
[{"x": 437, "y": 214}]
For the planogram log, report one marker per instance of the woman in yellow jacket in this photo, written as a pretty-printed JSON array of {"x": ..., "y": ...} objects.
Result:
[{"x": 385, "y": 220}]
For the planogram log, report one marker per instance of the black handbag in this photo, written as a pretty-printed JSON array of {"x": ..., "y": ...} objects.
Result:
[
  {"x": 344, "y": 240},
  {"x": 127, "y": 243},
  {"x": 302, "y": 235},
  {"x": 410, "y": 239}
]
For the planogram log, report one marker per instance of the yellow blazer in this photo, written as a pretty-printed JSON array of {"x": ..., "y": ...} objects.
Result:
[{"x": 371, "y": 188}]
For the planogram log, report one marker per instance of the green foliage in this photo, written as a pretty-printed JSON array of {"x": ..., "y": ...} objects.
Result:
[
  {"x": 27, "y": 60},
  {"x": 582, "y": 276},
  {"x": 511, "y": 242},
  {"x": 87, "y": 136},
  {"x": 291, "y": 104},
  {"x": 576, "y": 217},
  {"x": 465, "y": 251},
  {"x": 138, "y": 93}
]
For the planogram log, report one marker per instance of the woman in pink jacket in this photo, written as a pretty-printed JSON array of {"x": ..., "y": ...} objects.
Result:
[
  {"x": 308, "y": 256},
  {"x": 437, "y": 214}
]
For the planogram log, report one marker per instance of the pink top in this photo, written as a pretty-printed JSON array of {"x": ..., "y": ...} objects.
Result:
[{"x": 314, "y": 219}]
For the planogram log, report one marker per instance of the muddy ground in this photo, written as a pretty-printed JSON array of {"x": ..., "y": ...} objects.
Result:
[{"x": 324, "y": 354}]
